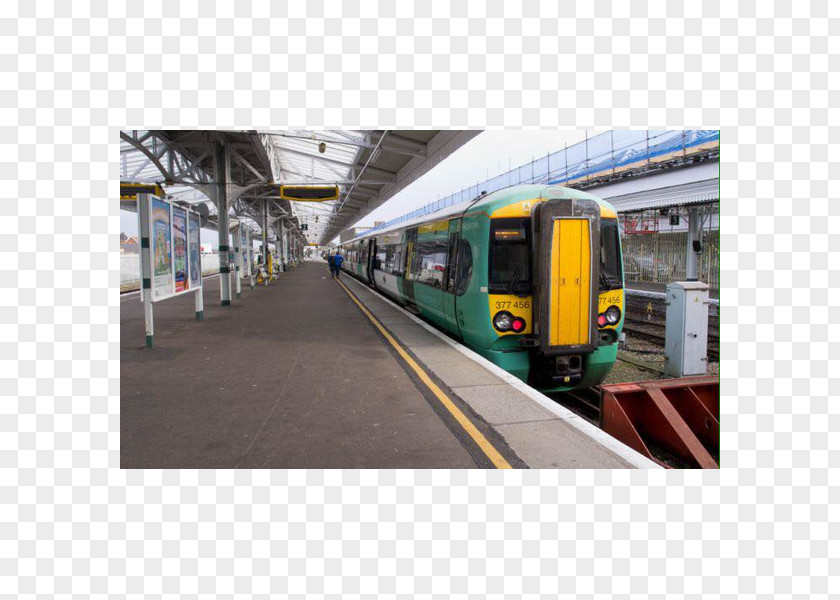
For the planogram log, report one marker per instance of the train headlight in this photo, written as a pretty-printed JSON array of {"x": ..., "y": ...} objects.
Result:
[
  {"x": 613, "y": 315},
  {"x": 602, "y": 320},
  {"x": 503, "y": 321}
]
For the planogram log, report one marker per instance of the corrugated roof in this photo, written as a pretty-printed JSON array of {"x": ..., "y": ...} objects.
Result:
[{"x": 688, "y": 193}]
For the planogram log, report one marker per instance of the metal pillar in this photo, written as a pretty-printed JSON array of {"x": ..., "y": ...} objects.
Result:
[
  {"x": 237, "y": 260},
  {"x": 222, "y": 169},
  {"x": 284, "y": 246},
  {"x": 265, "y": 241},
  {"x": 199, "y": 304},
  {"x": 278, "y": 253},
  {"x": 693, "y": 245},
  {"x": 146, "y": 267}
]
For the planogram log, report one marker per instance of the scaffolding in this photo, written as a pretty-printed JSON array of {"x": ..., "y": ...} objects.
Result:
[{"x": 607, "y": 155}]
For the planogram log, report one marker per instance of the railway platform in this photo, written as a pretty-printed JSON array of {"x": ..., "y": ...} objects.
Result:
[{"x": 310, "y": 372}]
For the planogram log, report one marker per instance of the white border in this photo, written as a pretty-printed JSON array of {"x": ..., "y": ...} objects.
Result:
[{"x": 626, "y": 452}]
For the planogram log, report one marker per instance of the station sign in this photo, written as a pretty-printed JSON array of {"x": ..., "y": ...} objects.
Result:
[
  {"x": 129, "y": 191},
  {"x": 309, "y": 193}
]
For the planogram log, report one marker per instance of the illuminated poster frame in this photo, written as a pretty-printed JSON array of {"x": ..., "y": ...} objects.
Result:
[
  {"x": 163, "y": 235},
  {"x": 180, "y": 251},
  {"x": 194, "y": 248},
  {"x": 160, "y": 240}
]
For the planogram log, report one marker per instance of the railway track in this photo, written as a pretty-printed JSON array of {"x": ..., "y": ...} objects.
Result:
[
  {"x": 654, "y": 331},
  {"x": 585, "y": 403}
]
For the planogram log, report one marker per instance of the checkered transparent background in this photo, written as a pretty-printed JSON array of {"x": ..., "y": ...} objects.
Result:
[{"x": 73, "y": 524}]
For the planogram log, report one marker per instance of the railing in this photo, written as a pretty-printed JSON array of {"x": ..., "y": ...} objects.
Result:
[
  {"x": 602, "y": 155},
  {"x": 656, "y": 254}
]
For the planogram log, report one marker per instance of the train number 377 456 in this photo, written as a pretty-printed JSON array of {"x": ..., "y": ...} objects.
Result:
[{"x": 501, "y": 304}]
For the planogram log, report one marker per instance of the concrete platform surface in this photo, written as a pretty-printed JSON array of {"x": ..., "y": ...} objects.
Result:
[
  {"x": 291, "y": 376},
  {"x": 294, "y": 375},
  {"x": 535, "y": 433}
]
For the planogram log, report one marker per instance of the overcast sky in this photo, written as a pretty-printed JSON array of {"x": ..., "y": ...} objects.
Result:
[{"x": 486, "y": 155}]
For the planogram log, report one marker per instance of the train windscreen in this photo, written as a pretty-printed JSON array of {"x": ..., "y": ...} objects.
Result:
[
  {"x": 510, "y": 257},
  {"x": 611, "y": 275}
]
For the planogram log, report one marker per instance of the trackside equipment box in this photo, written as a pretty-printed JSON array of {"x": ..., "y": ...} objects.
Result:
[{"x": 686, "y": 328}]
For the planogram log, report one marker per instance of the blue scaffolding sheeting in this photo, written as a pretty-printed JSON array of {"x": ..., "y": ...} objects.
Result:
[{"x": 603, "y": 153}]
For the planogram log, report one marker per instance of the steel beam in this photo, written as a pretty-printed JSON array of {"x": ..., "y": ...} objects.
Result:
[{"x": 387, "y": 175}]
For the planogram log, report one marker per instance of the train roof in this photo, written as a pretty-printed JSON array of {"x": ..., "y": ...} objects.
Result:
[{"x": 507, "y": 195}]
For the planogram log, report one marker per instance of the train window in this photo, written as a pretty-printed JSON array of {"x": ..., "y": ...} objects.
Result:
[
  {"x": 611, "y": 274},
  {"x": 379, "y": 258},
  {"x": 398, "y": 260},
  {"x": 464, "y": 268},
  {"x": 431, "y": 262},
  {"x": 388, "y": 263},
  {"x": 510, "y": 257}
]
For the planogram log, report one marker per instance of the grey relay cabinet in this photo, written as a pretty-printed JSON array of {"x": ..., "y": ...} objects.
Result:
[{"x": 686, "y": 328}]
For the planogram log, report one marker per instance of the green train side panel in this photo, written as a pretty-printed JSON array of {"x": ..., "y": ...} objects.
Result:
[{"x": 473, "y": 308}]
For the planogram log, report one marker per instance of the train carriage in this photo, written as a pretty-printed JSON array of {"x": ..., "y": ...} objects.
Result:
[{"x": 530, "y": 277}]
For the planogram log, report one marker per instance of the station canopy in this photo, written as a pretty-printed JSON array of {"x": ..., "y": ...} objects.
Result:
[{"x": 367, "y": 166}]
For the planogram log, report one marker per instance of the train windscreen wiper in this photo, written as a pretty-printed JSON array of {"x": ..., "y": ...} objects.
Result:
[
  {"x": 607, "y": 283},
  {"x": 516, "y": 275}
]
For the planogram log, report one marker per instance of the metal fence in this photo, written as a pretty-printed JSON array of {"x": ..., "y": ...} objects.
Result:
[
  {"x": 130, "y": 269},
  {"x": 658, "y": 256},
  {"x": 606, "y": 152}
]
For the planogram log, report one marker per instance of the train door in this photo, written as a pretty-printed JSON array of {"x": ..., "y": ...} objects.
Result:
[
  {"x": 371, "y": 256},
  {"x": 449, "y": 298},
  {"x": 566, "y": 302},
  {"x": 408, "y": 280}
]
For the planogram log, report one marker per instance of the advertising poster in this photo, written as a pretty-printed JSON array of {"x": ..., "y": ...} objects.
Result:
[
  {"x": 179, "y": 248},
  {"x": 161, "y": 250},
  {"x": 195, "y": 251}
]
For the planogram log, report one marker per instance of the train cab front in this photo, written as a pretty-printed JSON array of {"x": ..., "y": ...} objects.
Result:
[{"x": 578, "y": 296}]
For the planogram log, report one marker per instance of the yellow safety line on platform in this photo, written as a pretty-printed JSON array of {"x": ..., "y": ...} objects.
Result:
[{"x": 495, "y": 457}]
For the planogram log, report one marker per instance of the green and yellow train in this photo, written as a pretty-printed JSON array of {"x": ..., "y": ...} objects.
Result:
[{"x": 530, "y": 277}]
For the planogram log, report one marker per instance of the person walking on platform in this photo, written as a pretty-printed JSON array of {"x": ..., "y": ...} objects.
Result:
[
  {"x": 331, "y": 263},
  {"x": 337, "y": 260}
]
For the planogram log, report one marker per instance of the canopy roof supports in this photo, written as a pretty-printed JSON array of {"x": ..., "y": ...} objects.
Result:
[{"x": 368, "y": 166}]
